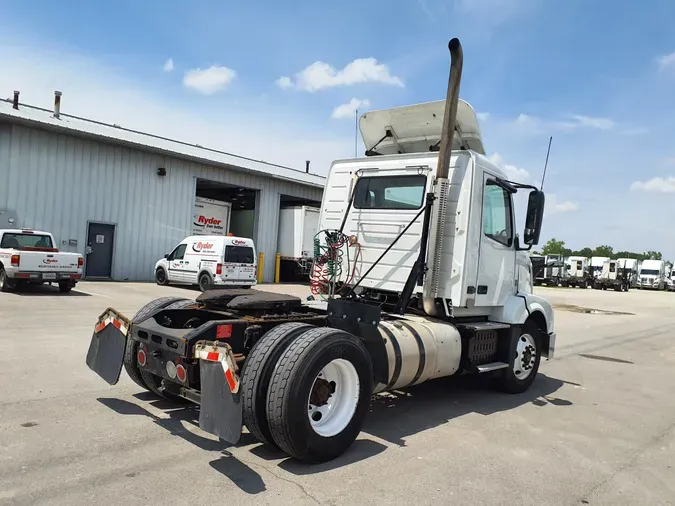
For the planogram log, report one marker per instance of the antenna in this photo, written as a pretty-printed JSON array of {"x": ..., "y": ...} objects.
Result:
[
  {"x": 550, "y": 140},
  {"x": 356, "y": 132}
]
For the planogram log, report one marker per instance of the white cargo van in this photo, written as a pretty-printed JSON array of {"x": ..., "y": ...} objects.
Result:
[{"x": 209, "y": 261}]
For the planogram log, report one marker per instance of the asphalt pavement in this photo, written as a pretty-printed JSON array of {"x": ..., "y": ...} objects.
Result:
[{"x": 597, "y": 427}]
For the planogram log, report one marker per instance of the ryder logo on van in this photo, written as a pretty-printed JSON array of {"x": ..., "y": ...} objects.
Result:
[
  {"x": 203, "y": 221},
  {"x": 238, "y": 242},
  {"x": 49, "y": 261},
  {"x": 199, "y": 246}
]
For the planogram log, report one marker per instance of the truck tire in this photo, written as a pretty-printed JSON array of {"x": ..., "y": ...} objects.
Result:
[
  {"x": 319, "y": 395},
  {"x": 160, "y": 277},
  {"x": 525, "y": 356},
  {"x": 257, "y": 373},
  {"x": 6, "y": 284},
  {"x": 130, "y": 365}
]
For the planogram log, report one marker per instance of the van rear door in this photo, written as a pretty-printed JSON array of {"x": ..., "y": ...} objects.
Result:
[{"x": 239, "y": 263}]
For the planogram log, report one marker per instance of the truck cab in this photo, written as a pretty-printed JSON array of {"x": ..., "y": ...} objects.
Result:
[{"x": 652, "y": 275}]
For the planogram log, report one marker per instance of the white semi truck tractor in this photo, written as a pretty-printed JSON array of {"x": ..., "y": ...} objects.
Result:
[{"x": 419, "y": 274}]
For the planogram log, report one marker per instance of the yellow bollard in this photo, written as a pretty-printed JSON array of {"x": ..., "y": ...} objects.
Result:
[
  {"x": 277, "y": 268},
  {"x": 261, "y": 265}
]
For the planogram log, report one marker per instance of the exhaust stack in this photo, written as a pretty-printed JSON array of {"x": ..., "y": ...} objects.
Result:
[
  {"x": 446, "y": 191},
  {"x": 57, "y": 104},
  {"x": 15, "y": 103}
]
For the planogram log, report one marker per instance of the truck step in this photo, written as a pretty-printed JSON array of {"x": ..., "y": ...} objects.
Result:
[
  {"x": 493, "y": 366},
  {"x": 478, "y": 326}
]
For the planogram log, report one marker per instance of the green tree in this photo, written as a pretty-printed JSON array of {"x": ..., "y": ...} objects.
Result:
[
  {"x": 603, "y": 251},
  {"x": 584, "y": 252},
  {"x": 654, "y": 255},
  {"x": 555, "y": 247}
]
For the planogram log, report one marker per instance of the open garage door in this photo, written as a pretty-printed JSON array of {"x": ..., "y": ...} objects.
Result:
[
  {"x": 218, "y": 201},
  {"x": 298, "y": 224}
]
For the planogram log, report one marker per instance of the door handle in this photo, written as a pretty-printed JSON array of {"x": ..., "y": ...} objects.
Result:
[
  {"x": 482, "y": 289},
  {"x": 88, "y": 250}
]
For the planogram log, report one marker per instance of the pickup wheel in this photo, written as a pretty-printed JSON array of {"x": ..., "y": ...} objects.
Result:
[
  {"x": 130, "y": 360},
  {"x": 160, "y": 277},
  {"x": 65, "y": 287},
  {"x": 257, "y": 373},
  {"x": 319, "y": 394},
  {"x": 6, "y": 284},
  {"x": 525, "y": 356}
]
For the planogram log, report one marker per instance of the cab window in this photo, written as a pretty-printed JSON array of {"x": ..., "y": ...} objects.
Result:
[
  {"x": 497, "y": 214},
  {"x": 178, "y": 253},
  {"x": 390, "y": 192}
]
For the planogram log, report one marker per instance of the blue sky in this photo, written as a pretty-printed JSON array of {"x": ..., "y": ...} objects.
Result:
[{"x": 597, "y": 76}]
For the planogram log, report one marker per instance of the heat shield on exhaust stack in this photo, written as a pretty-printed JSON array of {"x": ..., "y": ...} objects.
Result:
[{"x": 446, "y": 190}]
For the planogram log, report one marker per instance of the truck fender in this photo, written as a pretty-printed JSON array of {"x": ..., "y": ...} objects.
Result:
[{"x": 523, "y": 307}]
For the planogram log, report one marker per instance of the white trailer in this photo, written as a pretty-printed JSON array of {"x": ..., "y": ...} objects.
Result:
[
  {"x": 211, "y": 217},
  {"x": 653, "y": 275},
  {"x": 298, "y": 226},
  {"x": 442, "y": 287}
]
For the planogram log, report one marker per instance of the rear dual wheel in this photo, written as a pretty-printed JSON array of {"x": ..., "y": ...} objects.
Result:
[{"x": 317, "y": 395}]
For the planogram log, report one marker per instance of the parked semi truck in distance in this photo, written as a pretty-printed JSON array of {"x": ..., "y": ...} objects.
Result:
[
  {"x": 441, "y": 287},
  {"x": 653, "y": 275},
  {"x": 596, "y": 264},
  {"x": 613, "y": 276},
  {"x": 631, "y": 264},
  {"x": 578, "y": 272}
]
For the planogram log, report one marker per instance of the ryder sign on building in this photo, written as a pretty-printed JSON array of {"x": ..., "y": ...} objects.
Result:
[{"x": 211, "y": 217}]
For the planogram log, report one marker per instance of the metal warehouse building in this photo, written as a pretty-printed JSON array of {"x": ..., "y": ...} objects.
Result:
[{"x": 129, "y": 197}]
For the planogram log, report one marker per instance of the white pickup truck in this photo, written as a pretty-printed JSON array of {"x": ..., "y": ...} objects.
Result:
[{"x": 29, "y": 256}]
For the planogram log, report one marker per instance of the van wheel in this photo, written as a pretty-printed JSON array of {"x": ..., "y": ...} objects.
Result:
[
  {"x": 205, "y": 282},
  {"x": 319, "y": 394},
  {"x": 525, "y": 356},
  {"x": 257, "y": 372},
  {"x": 160, "y": 277},
  {"x": 130, "y": 361}
]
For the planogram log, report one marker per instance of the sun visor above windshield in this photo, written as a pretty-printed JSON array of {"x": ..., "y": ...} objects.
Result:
[{"x": 414, "y": 128}]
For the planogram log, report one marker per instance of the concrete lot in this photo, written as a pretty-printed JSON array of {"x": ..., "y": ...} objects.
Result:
[{"x": 597, "y": 427}]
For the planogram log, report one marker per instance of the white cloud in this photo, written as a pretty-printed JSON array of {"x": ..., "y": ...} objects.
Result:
[
  {"x": 552, "y": 205},
  {"x": 514, "y": 173},
  {"x": 666, "y": 61},
  {"x": 347, "y": 110},
  {"x": 38, "y": 71},
  {"x": 320, "y": 75},
  {"x": 483, "y": 116},
  {"x": 168, "y": 65},
  {"x": 209, "y": 81},
  {"x": 591, "y": 122},
  {"x": 284, "y": 82},
  {"x": 655, "y": 185}
]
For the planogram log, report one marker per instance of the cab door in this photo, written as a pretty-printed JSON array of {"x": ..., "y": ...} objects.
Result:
[
  {"x": 176, "y": 269},
  {"x": 497, "y": 254}
]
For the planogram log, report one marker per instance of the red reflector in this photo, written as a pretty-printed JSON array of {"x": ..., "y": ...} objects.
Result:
[
  {"x": 230, "y": 380},
  {"x": 219, "y": 269},
  {"x": 99, "y": 327},
  {"x": 142, "y": 358},
  {"x": 181, "y": 373},
  {"x": 213, "y": 356},
  {"x": 75, "y": 276},
  {"x": 80, "y": 262},
  {"x": 223, "y": 331},
  {"x": 21, "y": 275},
  {"x": 16, "y": 259}
]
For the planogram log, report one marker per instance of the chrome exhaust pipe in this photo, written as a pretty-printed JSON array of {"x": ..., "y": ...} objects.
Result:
[{"x": 446, "y": 192}]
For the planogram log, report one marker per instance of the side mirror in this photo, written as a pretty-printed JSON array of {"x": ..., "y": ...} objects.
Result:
[
  {"x": 534, "y": 217},
  {"x": 166, "y": 256}
]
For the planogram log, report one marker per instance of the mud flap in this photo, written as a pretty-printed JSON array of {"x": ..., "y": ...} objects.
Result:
[
  {"x": 220, "y": 411},
  {"x": 108, "y": 343}
]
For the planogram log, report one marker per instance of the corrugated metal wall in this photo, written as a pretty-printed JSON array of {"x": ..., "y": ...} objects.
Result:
[{"x": 58, "y": 183}]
